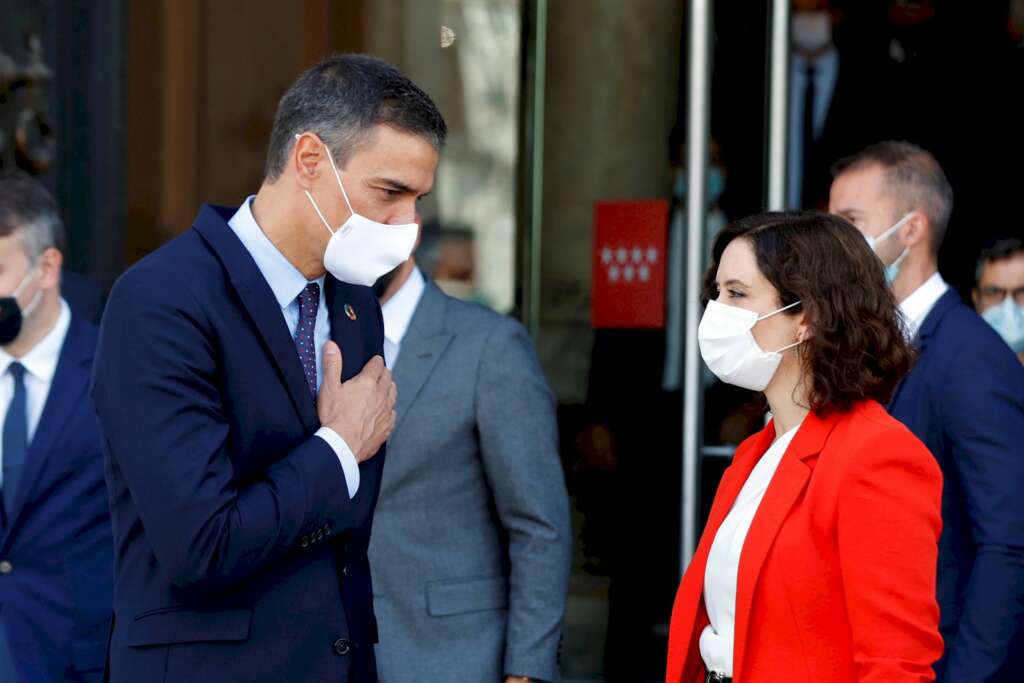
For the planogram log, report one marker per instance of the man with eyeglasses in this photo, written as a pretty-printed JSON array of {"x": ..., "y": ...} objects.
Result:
[{"x": 999, "y": 291}]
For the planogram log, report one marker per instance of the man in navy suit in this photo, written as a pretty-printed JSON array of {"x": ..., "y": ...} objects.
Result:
[
  {"x": 244, "y": 404},
  {"x": 56, "y": 565},
  {"x": 964, "y": 399}
]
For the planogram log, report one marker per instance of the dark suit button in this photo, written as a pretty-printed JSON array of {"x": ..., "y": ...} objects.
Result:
[
  {"x": 327, "y": 529},
  {"x": 6, "y": 567},
  {"x": 342, "y": 646},
  {"x": 305, "y": 541}
]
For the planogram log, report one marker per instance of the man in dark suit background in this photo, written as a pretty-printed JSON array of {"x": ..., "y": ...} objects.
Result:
[
  {"x": 964, "y": 399},
  {"x": 244, "y": 405},
  {"x": 56, "y": 566},
  {"x": 472, "y": 541}
]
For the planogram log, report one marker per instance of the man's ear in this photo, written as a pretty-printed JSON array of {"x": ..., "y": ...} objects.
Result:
[
  {"x": 307, "y": 153},
  {"x": 49, "y": 268},
  {"x": 918, "y": 229}
]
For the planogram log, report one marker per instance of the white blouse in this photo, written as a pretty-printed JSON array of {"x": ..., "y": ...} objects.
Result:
[{"x": 716, "y": 642}]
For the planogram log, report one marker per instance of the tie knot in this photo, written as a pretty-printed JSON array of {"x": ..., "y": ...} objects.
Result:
[{"x": 17, "y": 371}]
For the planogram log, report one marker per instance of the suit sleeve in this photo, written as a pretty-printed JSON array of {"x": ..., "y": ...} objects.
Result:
[
  {"x": 983, "y": 415},
  {"x": 519, "y": 446},
  {"x": 889, "y": 521},
  {"x": 165, "y": 428}
]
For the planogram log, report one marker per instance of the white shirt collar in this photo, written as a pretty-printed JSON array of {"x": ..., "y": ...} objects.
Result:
[
  {"x": 917, "y": 306},
  {"x": 399, "y": 309},
  {"x": 284, "y": 279},
  {"x": 41, "y": 360}
]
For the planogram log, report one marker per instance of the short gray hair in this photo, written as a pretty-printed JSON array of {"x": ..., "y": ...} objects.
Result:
[
  {"x": 28, "y": 210},
  {"x": 341, "y": 99},
  {"x": 914, "y": 178}
]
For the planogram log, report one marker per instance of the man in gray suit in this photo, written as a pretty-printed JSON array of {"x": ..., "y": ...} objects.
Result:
[{"x": 471, "y": 541}]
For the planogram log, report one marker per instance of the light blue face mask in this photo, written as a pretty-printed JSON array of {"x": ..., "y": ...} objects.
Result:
[
  {"x": 892, "y": 270},
  {"x": 1008, "y": 320},
  {"x": 715, "y": 179}
]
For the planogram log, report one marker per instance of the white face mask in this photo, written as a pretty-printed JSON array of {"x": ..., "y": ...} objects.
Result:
[
  {"x": 1008, "y": 320},
  {"x": 892, "y": 270},
  {"x": 729, "y": 349},
  {"x": 362, "y": 250},
  {"x": 812, "y": 31}
]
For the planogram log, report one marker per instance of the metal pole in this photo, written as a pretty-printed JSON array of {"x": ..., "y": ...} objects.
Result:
[
  {"x": 778, "y": 105},
  {"x": 540, "y": 45},
  {"x": 699, "y": 67}
]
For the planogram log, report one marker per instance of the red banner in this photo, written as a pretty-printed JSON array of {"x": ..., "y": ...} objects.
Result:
[{"x": 630, "y": 241}]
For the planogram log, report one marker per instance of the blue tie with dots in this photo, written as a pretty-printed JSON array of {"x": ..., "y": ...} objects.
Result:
[
  {"x": 15, "y": 436},
  {"x": 309, "y": 304}
]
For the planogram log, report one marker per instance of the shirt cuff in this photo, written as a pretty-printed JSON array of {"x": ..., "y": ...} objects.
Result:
[{"x": 349, "y": 465}]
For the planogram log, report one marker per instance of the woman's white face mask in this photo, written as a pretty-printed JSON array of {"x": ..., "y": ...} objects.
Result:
[
  {"x": 362, "y": 250},
  {"x": 727, "y": 344}
]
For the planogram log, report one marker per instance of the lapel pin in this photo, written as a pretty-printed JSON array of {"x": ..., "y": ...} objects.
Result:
[{"x": 350, "y": 312}]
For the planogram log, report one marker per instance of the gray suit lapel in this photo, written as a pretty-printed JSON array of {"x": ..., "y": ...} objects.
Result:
[{"x": 424, "y": 342}]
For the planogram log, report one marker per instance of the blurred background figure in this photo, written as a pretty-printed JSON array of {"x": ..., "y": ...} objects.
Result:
[
  {"x": 675, "y": 294},
  {"x": 448, "y": 257},
  {"x": 824, "y": 80},
  {"x": 56, "y": 552},
  {"x": 964, "y": 399},
  {"x": 999, "y": 291},
  {"x": 472, "y": 541}
]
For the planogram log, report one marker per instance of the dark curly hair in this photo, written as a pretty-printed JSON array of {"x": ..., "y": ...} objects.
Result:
[{"x": 856, "y": 349}]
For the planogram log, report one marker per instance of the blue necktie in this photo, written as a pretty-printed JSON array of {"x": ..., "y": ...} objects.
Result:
[
  {"x": 15, "y": 439},
  {"x": 305, "y": 344}
]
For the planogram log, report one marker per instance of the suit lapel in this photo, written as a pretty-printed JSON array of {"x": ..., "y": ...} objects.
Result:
[
  {"x": 944, "y": 305},
  {"x": 785, "y": 489},
  {"x": 689, "y": 602},
  {"x": 346, "y": 330},
  {"x": 424, "y": 342},
  {"x": 258, "y": 299},
  {"x": 67, "y": 391}
]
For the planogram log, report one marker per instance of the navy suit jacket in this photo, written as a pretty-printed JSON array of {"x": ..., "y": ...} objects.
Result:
[
  {"x": 239, "y": 555},
  {"x": 56, "y": 591},
  {"x": 965, "y": 400}
]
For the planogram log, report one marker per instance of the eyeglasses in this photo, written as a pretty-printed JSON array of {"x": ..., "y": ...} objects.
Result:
[{"x": 996, "y": 295}]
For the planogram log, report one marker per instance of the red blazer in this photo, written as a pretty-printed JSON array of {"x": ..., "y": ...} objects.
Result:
[{"x": 837, "y": 575}]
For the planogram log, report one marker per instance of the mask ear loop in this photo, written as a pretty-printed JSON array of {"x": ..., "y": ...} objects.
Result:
[
  {"x": 24, "y": 281},
  {"x": 784, "y": 308},
  {"x": 343, "y": 193},
  {"x": 330, "y": 158},
  {"x": 896, "y": 226}
]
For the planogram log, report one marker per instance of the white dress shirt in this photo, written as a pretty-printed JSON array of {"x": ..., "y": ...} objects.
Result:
[
  {"x": 826, "y": 73},
  {"x": 398, "y": 312},
  {"x": 286, "y": 282},
  {"x": 916, "y": 307},
  {"x": 720, "y": 576},
  {"x": 40, "y": 366}
]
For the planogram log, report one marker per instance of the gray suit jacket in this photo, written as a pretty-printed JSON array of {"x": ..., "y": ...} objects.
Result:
[{"x": 471, "y": 541}]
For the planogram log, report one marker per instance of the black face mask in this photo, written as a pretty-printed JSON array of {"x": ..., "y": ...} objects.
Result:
[
  {"x": 11, "y": 315},
  {"x": 10, "y": 320},
  {"x": 384, "y": 281}
]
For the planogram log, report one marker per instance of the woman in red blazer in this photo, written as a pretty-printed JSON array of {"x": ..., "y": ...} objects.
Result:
[{"x": 818, "y": 560}]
